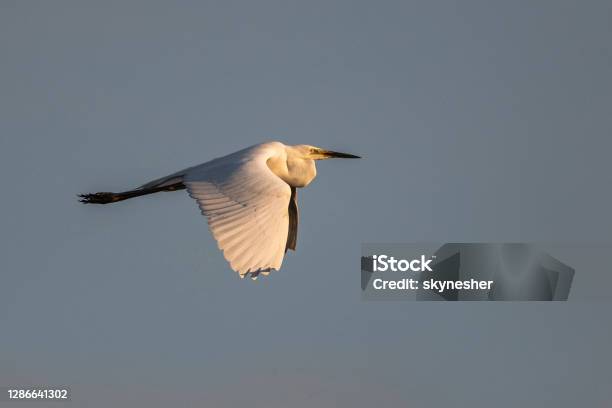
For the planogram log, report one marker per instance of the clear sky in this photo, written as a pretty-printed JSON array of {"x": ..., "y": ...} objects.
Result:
[{"x": 478, "y": 121}]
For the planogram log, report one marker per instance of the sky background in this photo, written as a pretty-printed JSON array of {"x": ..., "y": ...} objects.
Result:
[{"x": 478, "y": 121}]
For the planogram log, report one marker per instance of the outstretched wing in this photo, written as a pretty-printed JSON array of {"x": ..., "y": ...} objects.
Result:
[{"x": 247, "y": 209}]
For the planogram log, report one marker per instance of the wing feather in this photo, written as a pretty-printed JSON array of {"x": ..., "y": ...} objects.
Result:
[
  {"x": 246, "y": 205},
  {"x": 293, "y": 221}
]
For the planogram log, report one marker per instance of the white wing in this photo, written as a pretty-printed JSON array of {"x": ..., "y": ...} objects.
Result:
[{"x": 247, "y": 208}]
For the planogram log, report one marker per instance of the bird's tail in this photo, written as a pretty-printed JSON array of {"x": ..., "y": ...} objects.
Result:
[{"x": 109, "y": 198}]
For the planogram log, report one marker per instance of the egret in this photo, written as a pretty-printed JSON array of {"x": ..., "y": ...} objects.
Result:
[{"x": 249, "y": 198}]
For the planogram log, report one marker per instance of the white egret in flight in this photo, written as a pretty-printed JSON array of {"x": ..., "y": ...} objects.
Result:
[{"x": 249, "y": 198}]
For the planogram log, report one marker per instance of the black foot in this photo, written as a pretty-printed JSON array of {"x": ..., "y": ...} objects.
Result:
[{"x": 98, "y": 198}]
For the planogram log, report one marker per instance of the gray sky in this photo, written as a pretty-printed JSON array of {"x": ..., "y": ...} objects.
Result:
[{"x": 478, "y": 121}]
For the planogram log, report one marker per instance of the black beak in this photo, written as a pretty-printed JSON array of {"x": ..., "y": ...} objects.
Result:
[{"x": 330, "y": 154}]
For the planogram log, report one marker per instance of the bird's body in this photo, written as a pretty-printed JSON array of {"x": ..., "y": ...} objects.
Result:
[{"x": 249, "y": 198}]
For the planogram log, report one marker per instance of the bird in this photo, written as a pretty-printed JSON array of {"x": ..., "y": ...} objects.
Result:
[{"x": 248, "y": 197}]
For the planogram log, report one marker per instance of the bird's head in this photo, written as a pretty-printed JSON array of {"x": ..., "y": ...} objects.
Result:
[{"x": 317, "y": 153}]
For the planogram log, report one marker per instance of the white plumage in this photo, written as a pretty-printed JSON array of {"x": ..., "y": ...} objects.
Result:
[
  {"x": 249, "y": 198},
  {"x": 246, "y": 206}
]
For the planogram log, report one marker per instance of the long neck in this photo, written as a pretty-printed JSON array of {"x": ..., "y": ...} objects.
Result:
[{"x": 293, "y": 170}]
